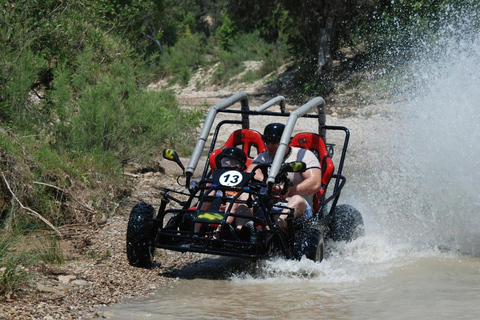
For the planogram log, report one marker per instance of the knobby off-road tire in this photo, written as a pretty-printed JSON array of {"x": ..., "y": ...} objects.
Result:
[
  {"x": 309, "y": 242},
  {"x": 140, "y": 236},
  {"x": 346, "y": 224}
]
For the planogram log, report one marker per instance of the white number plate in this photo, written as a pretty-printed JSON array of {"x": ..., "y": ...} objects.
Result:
[{"x": 231, "y": 178}]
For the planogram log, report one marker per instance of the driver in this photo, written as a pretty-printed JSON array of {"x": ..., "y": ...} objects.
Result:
[{"x": 302, "y": 185}]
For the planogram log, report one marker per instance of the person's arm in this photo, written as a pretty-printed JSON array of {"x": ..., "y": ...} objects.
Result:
[{"x": 311, "y": 183}]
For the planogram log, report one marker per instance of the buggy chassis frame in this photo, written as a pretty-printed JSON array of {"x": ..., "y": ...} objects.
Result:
[{"x": 177, "y": 233}]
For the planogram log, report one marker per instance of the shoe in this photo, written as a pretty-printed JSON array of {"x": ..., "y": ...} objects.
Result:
[
  {"x": 248, "y": 232},
  {"x": 229, "y": 232}
]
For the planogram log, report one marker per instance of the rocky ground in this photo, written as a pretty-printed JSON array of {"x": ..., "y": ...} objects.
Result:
[{"x": 97, "y": 273}]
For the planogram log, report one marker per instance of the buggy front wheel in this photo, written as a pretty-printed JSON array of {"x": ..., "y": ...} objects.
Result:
[
  {"x": 309, "y": 242},
  {"x": 346, "y": 224},
  {"x": 140, "y": 236}
]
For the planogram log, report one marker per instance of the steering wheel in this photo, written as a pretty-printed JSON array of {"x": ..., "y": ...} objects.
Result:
[
  {"x": 264, "y": 168},
  {"x": 282, "y": 179}
]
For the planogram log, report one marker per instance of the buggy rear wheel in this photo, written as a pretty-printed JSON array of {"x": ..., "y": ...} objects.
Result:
[
  {"x": 140, "y": 236},
  {"x": 346, "y": 224},
  {"x": 309, "y": 242}
]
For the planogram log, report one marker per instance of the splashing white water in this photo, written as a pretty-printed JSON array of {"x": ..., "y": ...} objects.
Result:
[
  {"x": 424, "y": 182},
  {"x": 417, "y": 186},
  {"x": 444, "y": 122}
]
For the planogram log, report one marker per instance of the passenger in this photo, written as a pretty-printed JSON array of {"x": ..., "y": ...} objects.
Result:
[
  {"x": 303, "y": 185},
  {"x": 230, "y": 158}
]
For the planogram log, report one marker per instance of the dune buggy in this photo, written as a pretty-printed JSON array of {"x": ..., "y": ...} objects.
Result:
[{"x": 194, "y": 219}]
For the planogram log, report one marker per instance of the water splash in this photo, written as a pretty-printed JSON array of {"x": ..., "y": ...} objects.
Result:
[
  {"x": 423, "y": 162},
  {"x": 417, "y": 181},
  {"x": 444, "y": 122}
]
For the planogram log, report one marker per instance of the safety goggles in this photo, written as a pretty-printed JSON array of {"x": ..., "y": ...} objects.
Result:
[{"x": 230, "y": 163}]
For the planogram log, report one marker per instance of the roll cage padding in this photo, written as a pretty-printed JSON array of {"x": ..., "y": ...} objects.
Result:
[
  {"x": 315, "y": 143},
  {"x": 244, "y": 139}
]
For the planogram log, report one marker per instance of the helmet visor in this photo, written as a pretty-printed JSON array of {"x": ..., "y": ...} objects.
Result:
[{"x": 227, "y": 162}]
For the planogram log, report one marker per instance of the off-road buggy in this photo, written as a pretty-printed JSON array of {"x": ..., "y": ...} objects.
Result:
[{"x": 194, "y": 219}]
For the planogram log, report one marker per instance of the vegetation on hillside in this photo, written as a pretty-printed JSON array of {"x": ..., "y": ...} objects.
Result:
[{"x": 74, "y": 109}]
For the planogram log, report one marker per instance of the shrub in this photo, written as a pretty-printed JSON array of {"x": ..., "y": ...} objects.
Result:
[
  {"x": 12, "y": 273},
  {"x": 185, "y": 56},
  {"x": 245, "y": 47}
]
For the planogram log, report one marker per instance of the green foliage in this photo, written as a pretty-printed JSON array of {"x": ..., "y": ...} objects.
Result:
[
  {"x": 20, "y": 73},
  {"x": 13, "y": 259},
  {"x": 12, "y": 273},
  {"x": 249, "y": 47},
  {"x": 397, "y": 28},
  {"x": 74, "y": 104},
  {"x": 229, "y": 65},
  {"x": 180, "y": 60},
  {"x": 48, "y": 250},
  {"x": 226, "y": 33}
]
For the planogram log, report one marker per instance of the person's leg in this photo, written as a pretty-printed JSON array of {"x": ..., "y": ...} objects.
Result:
[
  {"x": 298, "y": 204},
  {"x": 244, "y": 210}
]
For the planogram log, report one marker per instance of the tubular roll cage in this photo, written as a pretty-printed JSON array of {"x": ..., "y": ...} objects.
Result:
[
  {"x": 302, "y": 111},
  {"x": 228, "y": 247}
]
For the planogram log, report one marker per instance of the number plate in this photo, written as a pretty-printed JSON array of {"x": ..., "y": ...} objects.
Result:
[{"x": 231, "y": 178}]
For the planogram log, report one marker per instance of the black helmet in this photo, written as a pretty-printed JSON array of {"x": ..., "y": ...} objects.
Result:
[
  {"x": 273, "y": 130},
  {"x": 232, "y": 157}
]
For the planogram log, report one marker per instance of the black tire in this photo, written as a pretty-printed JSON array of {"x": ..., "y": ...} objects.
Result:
[
  {"x": 309, "y": 242},
  {"x": 140, "y": 236},
  {"x": 346, "y": 224}
]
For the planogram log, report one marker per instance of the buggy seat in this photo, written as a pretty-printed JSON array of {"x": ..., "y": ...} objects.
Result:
[
  {"x": 250, "y": 141},
  {"x": 315, "y": 143}
]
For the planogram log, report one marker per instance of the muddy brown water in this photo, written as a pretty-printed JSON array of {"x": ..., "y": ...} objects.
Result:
[{"x": 435, "y": 287}]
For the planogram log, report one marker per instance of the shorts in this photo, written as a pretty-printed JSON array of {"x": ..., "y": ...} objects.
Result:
[{"x": 306, "y": 215}]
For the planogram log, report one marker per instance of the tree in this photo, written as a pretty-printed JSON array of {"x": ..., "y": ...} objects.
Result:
[{"x": 314, "y": 28}]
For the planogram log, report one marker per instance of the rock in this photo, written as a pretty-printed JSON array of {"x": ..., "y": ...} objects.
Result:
[
  {"x": 44, "y": 288},
  {"x": 80, "y": 282},
  {"x": 66, "y": 279}
]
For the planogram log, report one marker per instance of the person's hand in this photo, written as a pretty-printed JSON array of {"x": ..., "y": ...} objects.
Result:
[
  {"x": 277, "y": 192},
  {"x": 277, "y": 189}
]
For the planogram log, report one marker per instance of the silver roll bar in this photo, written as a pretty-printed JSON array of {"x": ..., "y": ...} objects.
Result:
[
  {"x": 207, "y": 126},
  {"x": 318, "y": 102},
  {"x": 280, "y": 100}
]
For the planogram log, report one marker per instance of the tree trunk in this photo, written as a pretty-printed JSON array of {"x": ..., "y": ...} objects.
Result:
[{"x": 324, "y": 44}]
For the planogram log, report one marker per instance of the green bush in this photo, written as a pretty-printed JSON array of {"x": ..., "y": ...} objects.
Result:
[
  {"x": 74, "y": 106},
  {"x": 12, "y": 273},
  {"x": 20, "y": 73},
  {"x": 185, "y": 56},
  {"x": 249, "y": 47},
  {"x": 48, "y": 250},
  {"x": 229, "y": 65}
]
